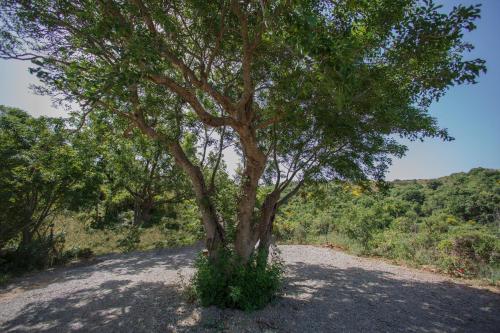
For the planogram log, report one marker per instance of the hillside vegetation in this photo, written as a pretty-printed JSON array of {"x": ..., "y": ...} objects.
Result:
[{"x": 452, "y": 222}]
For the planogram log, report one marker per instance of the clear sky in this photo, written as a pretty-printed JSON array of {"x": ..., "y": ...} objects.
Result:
[{"x": 471, "y": 113}]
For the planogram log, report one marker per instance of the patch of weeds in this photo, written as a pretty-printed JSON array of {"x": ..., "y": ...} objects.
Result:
[{"x": 131, "y": 240}]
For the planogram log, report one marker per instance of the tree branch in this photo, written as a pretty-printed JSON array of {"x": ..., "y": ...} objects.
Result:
[
  {"x": 290, "y": 194},
  {"x": 216, "y": 167},
  {"x": 190, "y": 98},
  {"x": 247, "y": 57}
]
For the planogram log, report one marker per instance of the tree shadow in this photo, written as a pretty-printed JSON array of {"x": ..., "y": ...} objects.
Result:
[
  {"x": 327, "y": 299},
  {"x": 317, "y": 298},
  {"x": 113, "y": 306},
  {"x": 130, "y": 264}
]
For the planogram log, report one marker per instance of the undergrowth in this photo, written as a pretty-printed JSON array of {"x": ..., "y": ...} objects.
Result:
[{"x": 228, "y": 283}]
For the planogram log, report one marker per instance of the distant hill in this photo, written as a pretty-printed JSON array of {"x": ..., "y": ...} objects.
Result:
[
  {"x": 451, "y": 222},
  {"x": 473, "y": 173}
]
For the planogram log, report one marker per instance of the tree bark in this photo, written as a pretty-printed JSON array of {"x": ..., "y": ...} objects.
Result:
[
  {"x": 267, "y": 215},
  {"x": 255, "y": 165},
  {"x": 214, "y": 231},
  {"x": 142, "y": 211},
  {"x": 27, "y": 237}
]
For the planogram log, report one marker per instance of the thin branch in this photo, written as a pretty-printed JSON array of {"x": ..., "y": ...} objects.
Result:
[
  {"x": 276, "y": 163},
  {"x": 290, "y": 194},
  {"x": 219, "y": 157},
  {"x": 247, "y": 56},
  {"x": 147, "y": 17},
  {"x": 205, "y": 146},
  {"x": 218, "y": 43},
  {"x": 269, "y": 122},
  {"x": 303, "y": 165}
]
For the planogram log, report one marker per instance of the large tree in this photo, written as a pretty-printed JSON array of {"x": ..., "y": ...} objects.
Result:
[{"x": 302, "y": 89}]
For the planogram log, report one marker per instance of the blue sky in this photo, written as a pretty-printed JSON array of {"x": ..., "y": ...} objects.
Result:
[{"x": 471, "y": 113}]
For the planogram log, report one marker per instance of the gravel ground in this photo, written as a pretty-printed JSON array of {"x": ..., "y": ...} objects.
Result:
[{"x": 326, "y": 291}]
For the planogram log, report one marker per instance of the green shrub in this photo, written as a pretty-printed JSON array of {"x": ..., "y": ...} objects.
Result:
[
  {"x": 228, "y": 283},
  {"x": 78, "y": 253},
  {"x": 363, "y": 223},
  {"x": 406, "y": 224},
  {"x": 131, "y": 240},
  {"x": 4, "y": 278},
  {"x": 468, "y": 251},
  {"x": 393, "y": 244},
  {"x": 40, "y": 253},
  {"x": 84, "y": 253},
  {"x": 300, "y": 234}
]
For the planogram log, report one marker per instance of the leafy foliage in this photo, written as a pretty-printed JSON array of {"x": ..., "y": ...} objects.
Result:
[
  {"x": 131, "y": 239},
  {"x": 40, "y": 253},
  {"x": 302, "y": 90},
  {"x": 227, "y": 282},
  {"x": 41, "y": 174}
]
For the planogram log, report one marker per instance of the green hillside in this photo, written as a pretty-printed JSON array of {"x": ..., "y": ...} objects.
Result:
[{"x": 452, "y": 223}]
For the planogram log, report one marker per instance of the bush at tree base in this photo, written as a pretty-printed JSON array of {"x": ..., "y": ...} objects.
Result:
[{"x": 228, "y": 283}]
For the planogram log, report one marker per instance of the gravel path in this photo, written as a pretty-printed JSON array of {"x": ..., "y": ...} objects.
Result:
[{"x": 326, "y": 291}]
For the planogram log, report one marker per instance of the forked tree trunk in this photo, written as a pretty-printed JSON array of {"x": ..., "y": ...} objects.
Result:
[
  {"x": 249, "y": 223},
  {"x": 252, "y": 227},
  {"x": 245, "y": 241},
  {"x": 259, "y": 229}
]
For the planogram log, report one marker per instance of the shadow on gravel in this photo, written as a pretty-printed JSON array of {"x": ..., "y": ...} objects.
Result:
[
  {"x": 113, "y": 306},
  {"x": 317, "y": 299},
  {"x": 326, "y": 299},
  {"x": 117, "y": 263}
]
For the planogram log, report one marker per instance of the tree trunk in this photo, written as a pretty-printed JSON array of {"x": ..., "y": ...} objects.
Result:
[
  {"x": 142, "y": 211},
  {"x": 267, "y": 215},
  {"x": 213, "y": 229},
  {"x": 244, "y": 242},
  {"x": 260, "y": 231},
  {"x": 27, "y": 237},
  {"x": 247, "y": 221}
]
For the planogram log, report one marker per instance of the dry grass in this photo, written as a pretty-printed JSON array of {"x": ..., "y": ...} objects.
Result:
[{"x": 78, "y": 234}]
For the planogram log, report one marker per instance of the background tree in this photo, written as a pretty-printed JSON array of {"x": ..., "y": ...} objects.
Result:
[
  {"x": 306, "y": 89},
  {"x": 132, "y": 163},
  {"x": 41, "y": 174}
]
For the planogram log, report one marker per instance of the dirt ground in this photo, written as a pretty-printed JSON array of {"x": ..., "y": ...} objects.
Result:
[{"x": 325, "y": 291}]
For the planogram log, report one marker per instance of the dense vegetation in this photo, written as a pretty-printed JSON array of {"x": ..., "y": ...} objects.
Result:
[
  {"x": 452, "y": 223},
  {"x": 67, "y": 194},
  {"x": 41, "y": 175}
]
